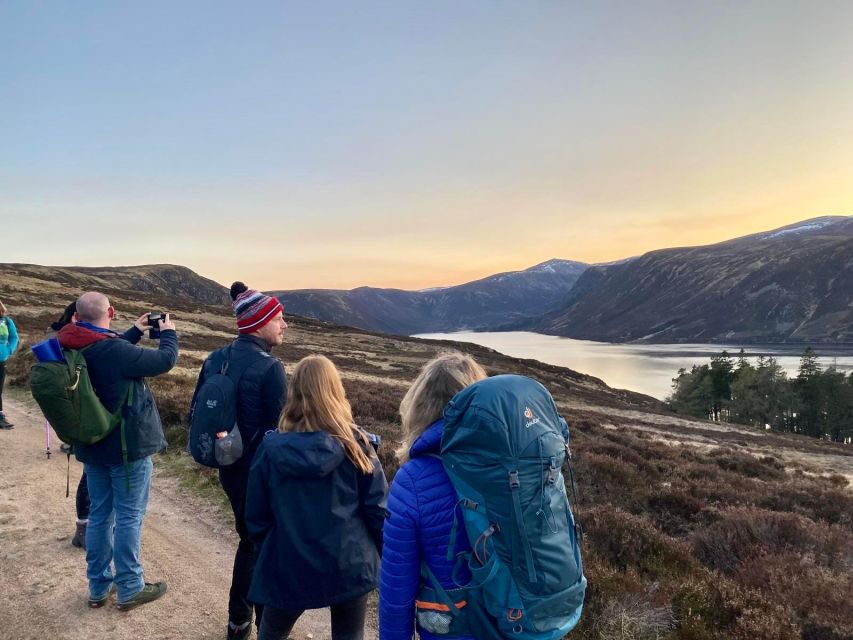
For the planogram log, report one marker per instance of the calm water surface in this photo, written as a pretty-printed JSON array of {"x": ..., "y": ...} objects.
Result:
[{"x": 645, "y": 368}]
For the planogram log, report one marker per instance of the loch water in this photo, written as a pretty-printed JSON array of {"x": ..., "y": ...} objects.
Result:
[{"x": 646, "y": 368}]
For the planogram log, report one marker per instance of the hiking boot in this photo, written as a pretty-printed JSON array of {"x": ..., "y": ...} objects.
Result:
[
  {"x": 79, "y": 539},
  {"x": 5, "y": 424},
  {"x": 150, "y": 592},
  {"x": 97, "y": 603},
  {"x": 241, "y": 632}
]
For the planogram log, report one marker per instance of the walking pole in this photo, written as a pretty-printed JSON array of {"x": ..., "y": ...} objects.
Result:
[{"x": 47, "y": 437}]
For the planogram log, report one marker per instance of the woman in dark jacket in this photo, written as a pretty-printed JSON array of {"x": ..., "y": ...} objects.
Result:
[
  {"x": 422, "y": 502},
  {"x": 83, "y": 503},
  {"x": 315, "y": 507}
]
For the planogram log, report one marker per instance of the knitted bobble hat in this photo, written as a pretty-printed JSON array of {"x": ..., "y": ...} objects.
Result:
[{"x": 252, "y": 308}]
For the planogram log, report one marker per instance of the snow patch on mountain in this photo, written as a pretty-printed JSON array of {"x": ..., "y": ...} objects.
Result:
[{"x": 806, "y": 227}]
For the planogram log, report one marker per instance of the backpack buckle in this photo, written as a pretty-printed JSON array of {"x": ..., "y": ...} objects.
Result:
[
  {"x": 553, "y": 470},
  {"x": 552, "y": 476},
  {"x": 514, "y": 482}
]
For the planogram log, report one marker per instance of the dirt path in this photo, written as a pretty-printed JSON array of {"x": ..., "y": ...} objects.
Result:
[{"x": 43, "y": 578}]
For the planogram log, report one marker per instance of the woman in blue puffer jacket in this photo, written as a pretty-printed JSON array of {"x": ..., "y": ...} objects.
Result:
[{"x": 422, "y": 501}]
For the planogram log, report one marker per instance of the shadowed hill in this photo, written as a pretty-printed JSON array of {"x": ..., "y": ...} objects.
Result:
[
  {"x": 482, "y": 304},
  {"x": 793, "y": 284}
]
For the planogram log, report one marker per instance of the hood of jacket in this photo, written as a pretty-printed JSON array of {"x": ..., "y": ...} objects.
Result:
[
  {"x": 429, "y": 441},
  {"x": 73, "y": 336},
  {"x": 307, "y": 455}
]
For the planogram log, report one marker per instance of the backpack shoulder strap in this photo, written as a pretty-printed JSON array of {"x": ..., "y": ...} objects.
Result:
[
  {"x": 217, "y": 361},
  {"x": 235, "y": 367},
  {"x": 119, "y": 416}
]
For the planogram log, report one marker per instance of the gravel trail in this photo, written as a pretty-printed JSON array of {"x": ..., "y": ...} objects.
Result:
[{"x": 43, "y": 578}]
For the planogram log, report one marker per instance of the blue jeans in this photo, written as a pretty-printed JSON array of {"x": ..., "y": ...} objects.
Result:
[{"x": 114, "y": 533}]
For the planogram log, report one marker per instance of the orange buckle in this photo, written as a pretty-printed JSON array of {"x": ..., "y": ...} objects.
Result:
[{"x": 437, "y": 606}]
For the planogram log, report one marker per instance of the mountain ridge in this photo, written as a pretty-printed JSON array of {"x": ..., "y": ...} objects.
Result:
[
  {"x": 158, "y": 279},
  {"x": 482, "y": 303},
  {"x": 792, "y": 284}
]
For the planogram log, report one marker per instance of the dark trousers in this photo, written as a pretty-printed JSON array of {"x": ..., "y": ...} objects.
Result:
[
  {"x": 2, "y": 382},
  {"x": 83, "y": 502},
  {"x": 235, "y": 482},
  {"x": 347, "y": 621}
]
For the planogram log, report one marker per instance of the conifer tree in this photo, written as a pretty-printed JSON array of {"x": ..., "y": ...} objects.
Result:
[
  {"x": 722, "y": 371},
  {"x": 692, "y": 392},
  {"x": 810, "y": 396}
]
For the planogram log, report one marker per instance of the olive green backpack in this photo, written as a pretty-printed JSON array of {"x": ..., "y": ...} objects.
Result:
[{"x": 65, "y": 395}]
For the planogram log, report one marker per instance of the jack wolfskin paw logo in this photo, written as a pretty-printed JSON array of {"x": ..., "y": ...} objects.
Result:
[{"x": 531, "y": 417}]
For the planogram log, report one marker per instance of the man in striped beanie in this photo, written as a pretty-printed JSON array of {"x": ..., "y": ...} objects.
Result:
[
  {"x": 261, "y": 395},
  {"x": 255, "y": 310}
]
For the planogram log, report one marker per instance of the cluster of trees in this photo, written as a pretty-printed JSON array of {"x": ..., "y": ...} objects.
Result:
[{"x": 817, "y": 403}]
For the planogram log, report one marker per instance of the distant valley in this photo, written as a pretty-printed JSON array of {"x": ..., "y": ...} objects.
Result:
[
  {"x": 788, "y": 285},
  {"x": 791, "y": 285},
  {"x": 512, "y": 297}
]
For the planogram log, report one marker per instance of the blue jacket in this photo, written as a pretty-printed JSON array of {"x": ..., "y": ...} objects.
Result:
[
  {"x": 8, "y": 338},
  {"x": 421, "y": 506},
  {"x": 316, "y": 520}
]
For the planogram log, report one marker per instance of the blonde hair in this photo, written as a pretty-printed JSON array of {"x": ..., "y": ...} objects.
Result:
[
  {"x": 440, "y": 379},
  {"x": 316, "y": 401}
]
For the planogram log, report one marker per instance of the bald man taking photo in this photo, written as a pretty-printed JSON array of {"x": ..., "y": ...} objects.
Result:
[{"x": 119, "y": 492}]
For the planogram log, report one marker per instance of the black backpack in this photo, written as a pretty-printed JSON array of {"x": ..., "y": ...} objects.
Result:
[{"x": 215, "y": 439}]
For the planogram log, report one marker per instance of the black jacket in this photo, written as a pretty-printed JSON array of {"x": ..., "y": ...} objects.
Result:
[
  {"x": 261, "y": 393},
  {"x": 317, "y": 521},
  {"x": 114, "y": 363}
]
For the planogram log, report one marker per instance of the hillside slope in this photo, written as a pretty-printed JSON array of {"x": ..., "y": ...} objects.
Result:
[
  {"x": 793, "y": 284},
  {"x": 166, "y": 280}
]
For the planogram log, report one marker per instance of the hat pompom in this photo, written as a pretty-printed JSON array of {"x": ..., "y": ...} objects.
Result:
[{"x": 237, "y": 288}]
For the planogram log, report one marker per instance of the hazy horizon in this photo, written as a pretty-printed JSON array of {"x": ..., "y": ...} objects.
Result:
[
  {"x": 335, "y": 145},
  {"x": 227, "y": 283}
]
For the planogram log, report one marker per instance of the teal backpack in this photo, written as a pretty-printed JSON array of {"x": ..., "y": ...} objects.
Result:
[{"x": 503, "y": 447}]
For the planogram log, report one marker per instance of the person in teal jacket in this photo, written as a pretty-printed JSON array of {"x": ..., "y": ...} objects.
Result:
[{"x": 8, "y": 344}]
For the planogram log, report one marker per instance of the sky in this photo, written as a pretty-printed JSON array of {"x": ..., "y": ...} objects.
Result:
[{"x": 403, "y": 143}]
